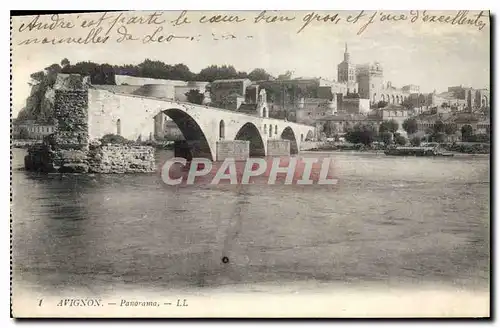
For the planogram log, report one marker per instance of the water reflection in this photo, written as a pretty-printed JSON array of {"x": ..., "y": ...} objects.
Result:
[{"x": 389, "y": 221}]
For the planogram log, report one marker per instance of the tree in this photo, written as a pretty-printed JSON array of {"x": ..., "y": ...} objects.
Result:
[
  {"x": 466, "y": 132},
  {"x": 400, "y": 140},
  {"x": 330, "y": 128},
  {"x": 194, "y": 96},
  {"x": 214, "y": 72},
  {"x": 54, "y": 68},
  {"x": 415, "y": 141},
  {"x": 361, "y": 133},
  {"x": 450, "y": 128},
  {"x": 408, "y": 104},
  {"x": 393, "y": 126},
  {"x": 438, "y": 137},
  {"x": 382, "y": 104},
  {"x": 389, "y": 126},
  {"x": 383, "y": 127},
  {"x": 65, "y": 62},
  {"x": 386, "y": 137},
  {"x": 98, "y": 73},
  {"x": 259, "y": 74},
  {"x": 242, "y": 75},
  {"x": 410, "y": 125},
  {"x": 439, "y": 127},
  {"x": 113, "y": 139}
]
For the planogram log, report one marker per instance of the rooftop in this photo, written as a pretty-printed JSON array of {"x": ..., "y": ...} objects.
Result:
[{"x": 230, "y": 80}]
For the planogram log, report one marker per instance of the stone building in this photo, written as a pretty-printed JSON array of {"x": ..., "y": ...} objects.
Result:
[
  {"x": 395, "y": 113},
  {"x": 370, "y": 79},
  {"x": 311, "y": 109},
  {"x": 293, "y": 100},
  {"x": 477, "y": 98},
  {"x": 367, "y": 80},
  {"x": 355, "y": 105},
  {"x": 456, "y": 99},
  {"x": 346, "y": 73},
  {"x": 30, "y": 129},
  {"x": 460, "y": 98},
  {"x": 229, "y": 94},
  {"x": 411, "y": 88},
  {"x": 343, "y": 122},
  {"x": 287, "y": 98},
  {"x": 158, "y": 88},
  {"x": 480, "y": 124},
  {"x": 390, "y": 94}
]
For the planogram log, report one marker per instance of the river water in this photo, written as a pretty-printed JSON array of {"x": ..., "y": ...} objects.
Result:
[{"x": 389, "y": 221}]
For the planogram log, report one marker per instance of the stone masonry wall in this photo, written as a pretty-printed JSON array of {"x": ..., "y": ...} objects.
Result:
[
  {"x": 70, "y": 112},
  {"x": 277, "y": 147},
  {"x": 117, "y": 158},
  {"x": 69, "y": 144},
  {"x": 236, "y": 149}
]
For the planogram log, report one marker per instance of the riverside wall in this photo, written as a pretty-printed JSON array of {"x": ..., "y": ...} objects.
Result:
[{"x": 116, "y": 158}]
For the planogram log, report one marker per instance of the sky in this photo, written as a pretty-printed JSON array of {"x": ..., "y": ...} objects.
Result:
[{"x": 429, "y": 54}]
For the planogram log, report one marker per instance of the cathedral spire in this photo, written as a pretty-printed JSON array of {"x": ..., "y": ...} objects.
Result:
[{"x": 346, "y": 54}]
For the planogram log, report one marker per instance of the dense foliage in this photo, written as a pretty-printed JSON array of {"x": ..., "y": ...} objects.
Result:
[
  {"x": 410, "y": 125},
  {"x": 114, "y": 139},
  {"x": 194, "y": 96},
  {"x": 382, "y": 104},
  {"x": 361, "y": 133},
  {"x": 389, "y": 126},
  {"x": 467, "y": 132},
  {"x": 400, "y": 140},
  {"x": 416, "y": 141}
]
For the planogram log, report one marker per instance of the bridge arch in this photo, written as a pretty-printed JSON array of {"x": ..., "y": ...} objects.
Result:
[
  {"x": 195, "y": 138},
  {"x": 288, "y": 134},
  {"x": 250, "y": 132}
]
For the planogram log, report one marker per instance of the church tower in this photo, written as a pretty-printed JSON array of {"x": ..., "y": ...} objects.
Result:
[
  {"x": 346, "y": 72},
  {"x": 347, "y": 57}
]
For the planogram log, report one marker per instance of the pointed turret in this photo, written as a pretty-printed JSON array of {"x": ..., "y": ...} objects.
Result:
[{"x": 346, "y": 54}]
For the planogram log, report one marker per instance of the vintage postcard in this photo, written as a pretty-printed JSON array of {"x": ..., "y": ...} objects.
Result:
[{"x": 251, "y": 164}]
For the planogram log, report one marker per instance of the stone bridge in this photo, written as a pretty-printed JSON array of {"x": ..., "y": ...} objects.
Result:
[{"x": 211, "y": 132}]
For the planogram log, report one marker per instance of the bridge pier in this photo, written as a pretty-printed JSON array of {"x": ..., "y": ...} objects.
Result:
[
  {"x": 278, "y": 147},
  {"x": 236, "y": 149}
]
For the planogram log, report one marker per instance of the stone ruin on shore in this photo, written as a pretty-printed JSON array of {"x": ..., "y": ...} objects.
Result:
[{"x": 69, "y": 149}]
